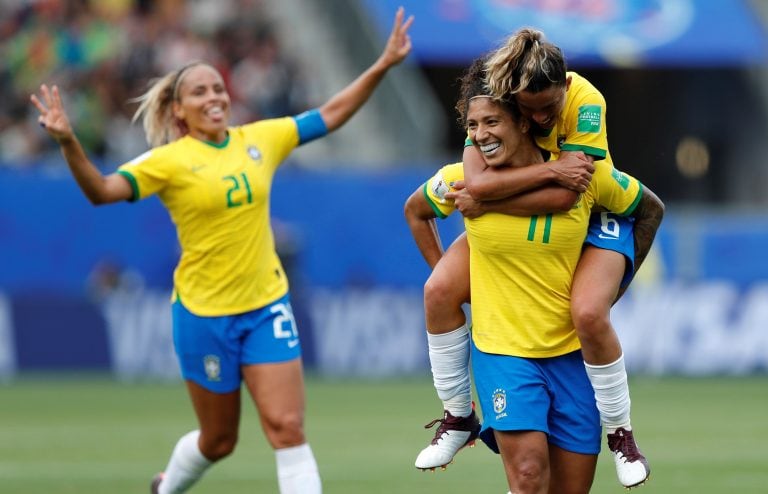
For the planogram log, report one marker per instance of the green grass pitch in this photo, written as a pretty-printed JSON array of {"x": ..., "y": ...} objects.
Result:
[{"x": 94, "y": 435}]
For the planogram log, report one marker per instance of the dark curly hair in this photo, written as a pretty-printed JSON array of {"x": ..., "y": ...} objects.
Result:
[{"x": 472, "y": 85}]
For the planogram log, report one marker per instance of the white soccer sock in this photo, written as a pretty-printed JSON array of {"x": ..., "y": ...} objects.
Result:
[
  {"x": 449, "y": 358},
  {"x": 186, "y": 466},
  {"x": 297, "y": 470},
  {"x": 611, "y": 393}
]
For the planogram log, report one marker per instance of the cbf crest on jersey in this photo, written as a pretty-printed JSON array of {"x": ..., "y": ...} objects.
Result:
[
  {"x": 254, "y": 153},
  {"x": 439, "y": 187},
  {"x": 499, "y": 401},
  {"x": 212, "y": 367}
]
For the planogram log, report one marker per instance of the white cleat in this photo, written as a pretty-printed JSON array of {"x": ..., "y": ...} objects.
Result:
[
  {"x": 453, "y": 434},
  {"x": 632, "y": 467}
]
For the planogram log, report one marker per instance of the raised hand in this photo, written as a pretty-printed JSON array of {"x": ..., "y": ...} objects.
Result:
[
  {"x": 337, "y": 110},
  {"x": 399, "y": 42},
  {"x": 52, "y": 117},
  {"x": 574, "y": 171}
]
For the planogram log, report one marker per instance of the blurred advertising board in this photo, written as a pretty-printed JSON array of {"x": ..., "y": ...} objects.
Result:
[{"x": 89, "y": 288}]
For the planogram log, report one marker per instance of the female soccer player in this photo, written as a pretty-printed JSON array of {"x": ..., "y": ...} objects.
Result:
[
  {"x": 568, "y": 116},
  {"x": 532, "y": 386},
  {"x": 232, "y": 318}
]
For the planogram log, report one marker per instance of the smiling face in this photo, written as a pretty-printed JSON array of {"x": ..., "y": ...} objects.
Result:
[
  {"x": 543, "y": 107},
  {"x": 202, "y": 103},
  {"x": 493, "y": 128}
]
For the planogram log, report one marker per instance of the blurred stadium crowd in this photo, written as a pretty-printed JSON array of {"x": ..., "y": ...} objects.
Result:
[{"x": 103, "y": 53}]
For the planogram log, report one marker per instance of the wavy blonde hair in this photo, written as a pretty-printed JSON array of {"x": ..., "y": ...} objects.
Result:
[
  {"x": 156, "y": 107},
  {"x": 525, "y": 62}
]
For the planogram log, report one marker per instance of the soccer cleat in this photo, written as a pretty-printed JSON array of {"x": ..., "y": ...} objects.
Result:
[
  {"x": 154, "y": 487},
  {"x": 453, "y": 434},
  {"x": 631, "y": 466}
]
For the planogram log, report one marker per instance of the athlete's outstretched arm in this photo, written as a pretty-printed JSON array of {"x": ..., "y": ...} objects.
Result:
[
  {"x": 421, "y": 221},
  {"x": 346, "y": 102},
  {"x": 97, "y": 188}
]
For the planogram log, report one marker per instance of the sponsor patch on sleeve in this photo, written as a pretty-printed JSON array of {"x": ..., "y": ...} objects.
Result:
[
  {"x": 438, "y": 187},
  {"x": 621, "y": 178},
  {"x": 590, "y": 117}
]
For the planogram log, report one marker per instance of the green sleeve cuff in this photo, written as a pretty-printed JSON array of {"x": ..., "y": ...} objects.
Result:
[
  {"x": 434, "y": 207},
  {"x": 134, "y": 185},
  {"x": 596, "y": 152},
  {"x": 633, "y": 206}
]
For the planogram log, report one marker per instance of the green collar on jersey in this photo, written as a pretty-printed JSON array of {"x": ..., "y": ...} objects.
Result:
[{"x": 217, "y": 145}]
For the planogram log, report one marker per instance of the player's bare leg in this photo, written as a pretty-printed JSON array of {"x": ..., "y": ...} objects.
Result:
[
  {"x": 277, "y": 390},
  {"x": 595, "y": 286},
  {"x": 570, "y": 473},
  {"x": 446, "y": 290},
  {"x": 525, "y": 456},
  {"x": 218, "y": 415}
]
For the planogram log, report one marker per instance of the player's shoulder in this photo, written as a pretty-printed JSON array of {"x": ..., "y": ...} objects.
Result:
[
  {"x": 185, "y": 144},
  {"x": 581, "y": 87},
  {"x": 268, "y": 125},
  {"x": 453, "y": 171},
  {"x": 170, "y": 152},
  {"x": 580, "y": 82},
  {"x": 457, "y": 167}
]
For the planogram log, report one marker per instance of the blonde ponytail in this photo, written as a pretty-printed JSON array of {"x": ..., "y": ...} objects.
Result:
[
  {"x": 156, "y": 111},
  {"x": 525, "y": 62},
  {"x": 156, "y": 108}
]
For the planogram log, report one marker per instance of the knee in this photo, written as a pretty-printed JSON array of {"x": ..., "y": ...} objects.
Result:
[
  {"x": 439, "y": 293},
  {"x": 590, "y": 319},
  {"x": 217, "y": 446},
  {"x": 532, "y": 474},
  {"x": 284, "y": 430}
]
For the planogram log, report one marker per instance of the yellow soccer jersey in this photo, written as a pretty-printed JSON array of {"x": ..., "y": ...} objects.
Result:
[
  {"x": 218, "y": 198},
  {"x": 581, "y": 124},
  {"x": 522, "y": 270}
]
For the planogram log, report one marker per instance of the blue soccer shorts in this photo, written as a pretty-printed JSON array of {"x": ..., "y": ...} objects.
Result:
[
  {"x": 551, "y": 395},
  {"x": 211, "y": 350},
  {"x": 613, "y": 232}
]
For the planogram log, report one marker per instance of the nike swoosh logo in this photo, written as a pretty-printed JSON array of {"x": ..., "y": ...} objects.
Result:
[
  {"x": 607, "y": 237},
  {"x": 293, "y": 343}
]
